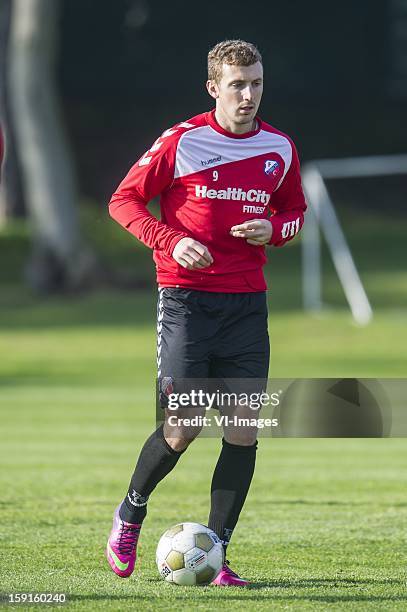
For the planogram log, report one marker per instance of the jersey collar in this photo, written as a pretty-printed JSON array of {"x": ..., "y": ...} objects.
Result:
[{"x": 210, "y": 116}]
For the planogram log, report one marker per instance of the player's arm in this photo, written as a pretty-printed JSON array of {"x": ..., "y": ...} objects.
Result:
[
  {"x": 288, "y": 207},
  {"x": 128, "y": 204},
  {"x": 150, "y": 176}
]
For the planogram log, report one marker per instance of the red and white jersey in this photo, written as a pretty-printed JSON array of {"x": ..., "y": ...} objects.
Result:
[{"x": 209, "y": 180}]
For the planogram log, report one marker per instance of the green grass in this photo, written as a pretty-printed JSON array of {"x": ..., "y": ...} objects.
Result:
[
  {"x": 324, "y": 524},
  {"x": 321, "y": 529}
]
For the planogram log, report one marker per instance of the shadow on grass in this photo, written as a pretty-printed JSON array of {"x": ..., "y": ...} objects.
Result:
[
  {"x": 325, "y": 582},
  {"x": 246, "y": 594},
  {"x": 229, "y": 594}
]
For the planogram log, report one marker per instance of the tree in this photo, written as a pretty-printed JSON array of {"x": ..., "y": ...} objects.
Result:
[
  {"x": 59, "y": 260},
  {"x": 11, "y": 198}
]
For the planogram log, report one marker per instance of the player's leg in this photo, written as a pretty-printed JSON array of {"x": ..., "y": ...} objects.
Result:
[
  {"x": 156, "y": 460},
  {"x": 243, "y": 354},
  {"x": 177, "y": 358}
]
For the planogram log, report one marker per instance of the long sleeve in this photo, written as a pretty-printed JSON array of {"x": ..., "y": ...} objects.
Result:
[
  {"x": 150, "y": 176},
  {"x": 288, "y": 205}
]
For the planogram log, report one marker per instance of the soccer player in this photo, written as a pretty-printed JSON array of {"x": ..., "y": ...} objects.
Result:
[{"x": 229, "y": 185}]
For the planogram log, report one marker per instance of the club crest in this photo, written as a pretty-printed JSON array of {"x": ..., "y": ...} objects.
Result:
[{"x": 271, "y": 167}]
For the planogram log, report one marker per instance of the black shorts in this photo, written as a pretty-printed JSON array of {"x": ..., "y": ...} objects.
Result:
[{"x": 203, "y": 334}]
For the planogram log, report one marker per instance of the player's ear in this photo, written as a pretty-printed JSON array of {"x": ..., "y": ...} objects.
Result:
[{"x": 213, "y": 89}]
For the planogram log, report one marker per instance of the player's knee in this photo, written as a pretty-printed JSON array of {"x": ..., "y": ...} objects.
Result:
[
  {"x": 241, "y": 437},
  {"x": 178, "y": 441},
  {"x": 179, "y": 436},
  {"x": 181, "y": 427}
]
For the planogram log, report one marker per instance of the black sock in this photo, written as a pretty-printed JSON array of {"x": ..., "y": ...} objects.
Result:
[
  {"x": 155, "y": 461},
  {"x": 230, "y": 484}
]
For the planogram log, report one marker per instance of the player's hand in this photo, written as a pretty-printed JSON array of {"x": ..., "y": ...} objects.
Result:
[
  {"x": 257, "y": 231},
  {"x": 191, "y": 254}
]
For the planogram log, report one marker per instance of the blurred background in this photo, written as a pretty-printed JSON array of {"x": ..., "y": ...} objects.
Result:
[{"x": 85, "y": 87}]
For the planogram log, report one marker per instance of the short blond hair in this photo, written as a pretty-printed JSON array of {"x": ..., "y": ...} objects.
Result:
[{"x": 232, "y": 52}]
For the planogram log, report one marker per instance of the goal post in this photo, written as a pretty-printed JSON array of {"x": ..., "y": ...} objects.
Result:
[{"x": 322, "y": 219}]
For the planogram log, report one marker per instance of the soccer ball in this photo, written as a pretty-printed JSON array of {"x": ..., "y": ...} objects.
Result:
[{"x": 188, "y": 554}]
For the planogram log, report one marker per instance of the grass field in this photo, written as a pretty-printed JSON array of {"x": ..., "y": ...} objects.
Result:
[{"x": 324, "y": 526}]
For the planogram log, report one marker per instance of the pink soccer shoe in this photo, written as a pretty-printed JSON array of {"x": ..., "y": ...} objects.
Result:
[
  {"x": 228, "y": 577},
  {"x": 121, "y": 550}
]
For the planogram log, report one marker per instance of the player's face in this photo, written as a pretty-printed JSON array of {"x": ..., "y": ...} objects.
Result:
[{"x": 238, "y": 95}]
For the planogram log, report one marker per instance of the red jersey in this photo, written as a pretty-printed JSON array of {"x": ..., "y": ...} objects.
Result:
[{"x": 209, "y": 180}]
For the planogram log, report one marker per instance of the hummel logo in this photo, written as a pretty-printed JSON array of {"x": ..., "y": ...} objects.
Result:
[{"x": 213, "y": 160}]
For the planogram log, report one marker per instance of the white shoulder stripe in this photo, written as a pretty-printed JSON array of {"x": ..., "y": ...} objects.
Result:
[
  {"x": 197, "y": 147},
  {"x": 146, "y": 159},
  {"x": 167, "y": 133},
  {"x": 156, "y": 145}
]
